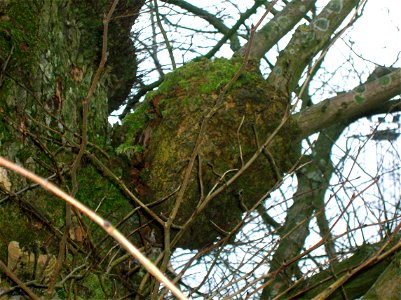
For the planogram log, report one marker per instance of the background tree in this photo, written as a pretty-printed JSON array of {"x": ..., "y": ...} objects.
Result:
[{"x": 246, "y": 177}]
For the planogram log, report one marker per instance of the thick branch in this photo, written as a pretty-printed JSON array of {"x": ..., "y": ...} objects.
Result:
[
  {"x": 388, "y": 285},
  {"x": 313, "y": 180},
  {"x": 279, "y": 26},
  {"x": 364, "y": 100},
  {"x": 354, "y": 288},
  {"x": 306, "y": 43}
]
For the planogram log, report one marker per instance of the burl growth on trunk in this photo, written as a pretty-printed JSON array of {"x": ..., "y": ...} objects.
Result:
[{"x": 163, "y": 132}]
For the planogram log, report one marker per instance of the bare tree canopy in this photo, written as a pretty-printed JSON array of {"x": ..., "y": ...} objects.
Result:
[{"x": 253, "y": 155}]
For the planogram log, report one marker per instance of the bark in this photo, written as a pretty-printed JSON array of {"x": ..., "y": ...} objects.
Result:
[
  {"x": 367, "y": 282},
  {"x": 367, "y": 99},
  {"x": 49, "y": 53},
  {"x": 279, "y": 26},
  {"x": 201, "y": 151},
  {"x": 388, "y": 285},
  {"x": 313, "y": 180},
  {"x": 307, "y": 42}
]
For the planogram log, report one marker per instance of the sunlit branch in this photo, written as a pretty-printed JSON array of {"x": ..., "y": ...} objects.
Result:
[{"x": 364, "y": 100}]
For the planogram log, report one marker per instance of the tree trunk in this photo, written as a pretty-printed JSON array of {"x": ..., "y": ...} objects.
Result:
[
  {"x": 203, "y": 150},
  {"x": 49, "y": 53}
]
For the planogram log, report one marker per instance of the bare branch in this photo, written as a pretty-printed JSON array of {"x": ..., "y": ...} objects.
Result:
[
  {"x": 14, "y": 278},
  {"x": 211, "y": 18},
  {"x": 307, "y": 41},
  {"x": 364, "y": 100},
  {"x": 110, "y": 229},
  {"x": 279, "y": 26}
]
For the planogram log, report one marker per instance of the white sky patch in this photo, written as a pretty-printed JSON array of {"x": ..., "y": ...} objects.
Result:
[{"x": 374, "y": 39}]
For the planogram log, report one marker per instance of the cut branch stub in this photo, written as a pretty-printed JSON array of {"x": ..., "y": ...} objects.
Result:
[{"x": 167, "y": 126}]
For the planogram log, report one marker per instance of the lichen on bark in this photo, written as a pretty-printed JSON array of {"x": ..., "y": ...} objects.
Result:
[{"x": 49, "y": 52}]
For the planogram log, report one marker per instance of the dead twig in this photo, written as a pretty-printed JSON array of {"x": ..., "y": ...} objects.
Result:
[
  {"x": 14, "y": 278},
  {"x": 110, "y": 229}
]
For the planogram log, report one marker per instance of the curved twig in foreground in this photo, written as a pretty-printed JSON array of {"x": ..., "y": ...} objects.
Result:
[{"x": 110, "y": 229}]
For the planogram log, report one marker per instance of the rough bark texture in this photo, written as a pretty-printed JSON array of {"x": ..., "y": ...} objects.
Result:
[
  {"x": 313, "y": 180},
  {"x": 368, "y": 282},
  {"x": 185, "y": 145},
  {"x": 49, "y": 52},
  {"x": 165, "y": 130},
  {"x": 388, "y": 285},
  {"x": 368, "y": 98}
]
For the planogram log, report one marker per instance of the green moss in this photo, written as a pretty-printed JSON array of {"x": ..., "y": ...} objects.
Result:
[
  {"x": 203, "y": 76},
  {"x": 94, "y": 188},
  {"x": 15, "y": 225},
  {"x": 19, "y": 36},
  {"x": 94, "y": 287},
  {"x": 187, "y": 81},
  {"x": 134, "y": 123},
  {"x": 99, "y": 194},
  {"x": 5, "y": 132},
  {"x": 88, "y": 16},
  {"x": 171, "y": 118},
  {"x": 137, "y": 120}
]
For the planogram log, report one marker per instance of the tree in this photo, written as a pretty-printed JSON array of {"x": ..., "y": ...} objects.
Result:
[{"x": 190, "y": 173}]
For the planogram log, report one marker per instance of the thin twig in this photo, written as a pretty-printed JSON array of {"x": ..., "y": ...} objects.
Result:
[
  {"x": 168, "y": 45},
  {"x": 14, "y": 278},
  {"x": 110, "y": 229}
]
